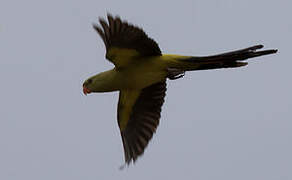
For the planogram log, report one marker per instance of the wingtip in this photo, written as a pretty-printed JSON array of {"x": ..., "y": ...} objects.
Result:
[
  {"x": 122, "y": 167},
  {"x": 95, "y": 26},
  {"x": 126, "y": 164},
  {"x": 102, "y": 20},
  {"x": 98, "y": 29},
  {"x": 109, "y": 15},
  {"x": 112, "y": 17}
]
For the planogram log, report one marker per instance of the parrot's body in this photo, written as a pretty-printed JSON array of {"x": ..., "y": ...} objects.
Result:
[{"x": 140, "y": 75}]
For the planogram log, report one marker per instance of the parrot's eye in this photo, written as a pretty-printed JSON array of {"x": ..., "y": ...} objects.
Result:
[{"x": 89, "y": 81}]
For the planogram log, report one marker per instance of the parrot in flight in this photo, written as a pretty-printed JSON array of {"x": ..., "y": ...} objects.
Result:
[{"x": 140, "y": 73}]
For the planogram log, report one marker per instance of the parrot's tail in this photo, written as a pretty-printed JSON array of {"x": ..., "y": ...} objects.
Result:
[{"x": 226, "y": 60}]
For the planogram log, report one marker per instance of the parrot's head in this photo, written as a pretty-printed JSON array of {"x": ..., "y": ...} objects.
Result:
[
  {"x": 93, "y": 84},
  {"x": 96, "y": 83}
]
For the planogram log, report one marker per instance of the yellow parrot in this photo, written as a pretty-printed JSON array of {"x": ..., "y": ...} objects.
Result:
[{"x": 140, "y": 75}]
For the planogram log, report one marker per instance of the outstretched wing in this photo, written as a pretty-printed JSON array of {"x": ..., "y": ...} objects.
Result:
[
  {"x": 138, "y": 118},
  {"x": 125, "y": 42}
]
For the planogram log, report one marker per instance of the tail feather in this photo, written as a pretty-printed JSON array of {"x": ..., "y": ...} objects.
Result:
[{"x": 226, "y": 60}]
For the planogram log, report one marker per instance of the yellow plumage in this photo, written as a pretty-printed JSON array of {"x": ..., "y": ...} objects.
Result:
[{"x": 140, "y": 75}]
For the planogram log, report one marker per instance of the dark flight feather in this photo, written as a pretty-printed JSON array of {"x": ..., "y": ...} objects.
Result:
[
  {"x": 143, "y": 121},
  {"x": 121, "y": 34}
]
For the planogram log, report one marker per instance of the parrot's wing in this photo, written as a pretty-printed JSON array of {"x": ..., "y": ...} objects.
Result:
[
  {"x": 125, "y": 42},
  {"x": 138, "y": 118}
]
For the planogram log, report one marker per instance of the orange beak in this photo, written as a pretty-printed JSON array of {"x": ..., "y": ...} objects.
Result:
[{"x": 86, "y": 90}]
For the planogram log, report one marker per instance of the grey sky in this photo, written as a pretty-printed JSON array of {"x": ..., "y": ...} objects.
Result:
[{"x": 221, "y": 124}]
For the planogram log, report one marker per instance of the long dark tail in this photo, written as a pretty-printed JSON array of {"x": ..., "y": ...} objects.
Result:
[{"x": 226, "y": 60}]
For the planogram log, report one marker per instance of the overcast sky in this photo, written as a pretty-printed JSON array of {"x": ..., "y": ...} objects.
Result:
[{"x": 231, "y": 124}]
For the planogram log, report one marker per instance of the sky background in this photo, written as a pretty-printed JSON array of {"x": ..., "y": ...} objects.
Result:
[{"x": 220, "y": 124}]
